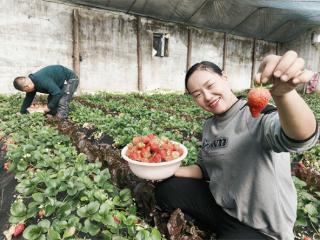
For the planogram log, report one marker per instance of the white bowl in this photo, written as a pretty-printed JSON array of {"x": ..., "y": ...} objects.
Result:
[{"x": 154, "y": 171}]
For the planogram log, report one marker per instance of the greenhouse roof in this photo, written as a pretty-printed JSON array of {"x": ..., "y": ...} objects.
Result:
[{"x": 270, "y": 20}]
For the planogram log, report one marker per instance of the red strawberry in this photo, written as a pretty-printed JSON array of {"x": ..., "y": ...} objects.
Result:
[
  {"x": 134, "y": 156},
  {"x": 145, "y": 139},
  {"x": 151, "y": 136},
  {"x": 6, "y": 166},
  {"x": 4, "y": 148},
  {"x": 258, "y": 99},
  {"x": 154, "y": 147},
  {"x": 117, "y": 220},
  {"x": 307, "y": 238},
  {"x": 301, "y": 165},
  {"x": 18, "y": 229},
  {"x": 156, "y": 158}
]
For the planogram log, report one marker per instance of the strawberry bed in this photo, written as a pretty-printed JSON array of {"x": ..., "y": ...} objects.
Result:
[{"x": 100, "y": 125}]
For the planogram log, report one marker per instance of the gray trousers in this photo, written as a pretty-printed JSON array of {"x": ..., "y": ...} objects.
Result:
[
  {"x": 67, "y": 94},
  {"x": 68, "y": 90}
]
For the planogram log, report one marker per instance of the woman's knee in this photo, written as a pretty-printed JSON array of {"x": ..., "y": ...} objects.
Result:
[
  {"x": 165, "y": 192},
  {"x": 177, "y": 192}
]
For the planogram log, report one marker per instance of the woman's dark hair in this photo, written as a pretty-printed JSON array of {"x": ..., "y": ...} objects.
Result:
[{"x": 204, "y": 65}]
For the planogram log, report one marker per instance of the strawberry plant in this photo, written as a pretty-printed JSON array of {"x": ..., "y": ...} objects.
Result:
[
  {"x": 308, "y": 208},
  {"x": 60, "y": 194}
]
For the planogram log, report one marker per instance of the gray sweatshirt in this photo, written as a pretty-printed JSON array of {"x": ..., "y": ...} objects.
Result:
[{"x": 247, "y": 161}]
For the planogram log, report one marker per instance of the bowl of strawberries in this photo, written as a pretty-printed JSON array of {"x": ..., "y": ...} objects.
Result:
[{"x": 152, "y": 157}]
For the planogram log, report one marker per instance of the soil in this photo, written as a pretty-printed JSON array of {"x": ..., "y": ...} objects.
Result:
[{"x": 7, "y": 192}]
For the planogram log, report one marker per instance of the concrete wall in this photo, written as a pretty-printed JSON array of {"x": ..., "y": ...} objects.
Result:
[
  {"x": 163, "y": 73},
  {"x": 36, "y": 33},
  {"x": 108, "y": 48},
  {"x": 207, "y": 46},
  {"x": 33, "y": 34},
  {"x": 306, "y": 50},
  {"x": 263, "y": 49},
  {"x": 239, "y": 62}
]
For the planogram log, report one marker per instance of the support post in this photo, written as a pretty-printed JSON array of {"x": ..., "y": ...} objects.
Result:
[
  {"x": 253, "y": 63},
  {"x": 139, "y": 55},
  {"x": 189, "y": 50},
  {"x": 76, "y": 46},
  {"x": 225, "y": 42}
]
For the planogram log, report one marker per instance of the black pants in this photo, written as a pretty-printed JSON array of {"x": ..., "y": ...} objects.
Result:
[{"x": 194, "y": 198}]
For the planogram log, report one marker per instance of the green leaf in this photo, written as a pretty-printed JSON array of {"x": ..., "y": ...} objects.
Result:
[
  {"x": 32, "y": 209},
  {"x": 298, "y": 183},
  {"x": 69, "y": 232},
  {"x": 59, "y": 225},
  {"x": 311, "y": 209},
  {"x": 93, "y": 207},
  {"x": 80, "y": 186},
  {"x": 82, "y": 212},
  {"x": 22, "y": 165},
  {"x": 96, "y": 217},
  {"x": 32, "y": 232},
  {"x": 91, "y": 228},
  {"x": 131, "y": 230},
  {"x": 53, "y": 183},
  {"x": 72, "y": 191},
  {"x": 73, "y": 221},
  {"x": 81, "y": 158},
  {"x": 143, "y": 235},
  {"x": 49, "y": 210},
  {"x": 38, "y": 197},
  {"x": 130, "y": 220},
  {"x": 155, "y": 234},
  {"x": 87, "y": 182},
  {"x": 106, "y": 207},
  {"x": 125, "y": 192},
  {"x": 314, "y": 219},
  {"x": 45, "y": 224},
  {"x": 100, "y": 195},
  {"x": 42, "y": 237},
  {"x": 308, "y": 196},
  {"x": 53, "y": 235},
  {"x": 301, "y": 222},
  {"x": 14, "y": 219},
  {"x": 65, "y": 209},
  {"x": 108, "y": 220},
  {"x": 18, "y": 209}
]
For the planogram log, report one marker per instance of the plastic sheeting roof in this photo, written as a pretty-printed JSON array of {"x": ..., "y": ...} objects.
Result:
[{"x": 270, "y": 20}]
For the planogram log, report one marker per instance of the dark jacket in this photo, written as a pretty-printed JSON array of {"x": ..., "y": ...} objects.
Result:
[{"x": 48, "y": 80}]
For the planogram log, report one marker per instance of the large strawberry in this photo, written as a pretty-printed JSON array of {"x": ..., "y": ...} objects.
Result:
[{"x": 258, "y": 99}]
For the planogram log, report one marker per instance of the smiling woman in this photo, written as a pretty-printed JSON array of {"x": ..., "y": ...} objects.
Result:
[
  {"x": 210, "y": 87},
  {"x": 246, "y": 160}
]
